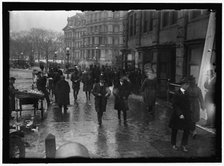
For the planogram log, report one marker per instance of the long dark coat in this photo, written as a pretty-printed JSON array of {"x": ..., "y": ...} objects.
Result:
[
  {"x": 100, "y": 101},
  {"x": 87, "y": 81},
  {"x": 148, "y": 88},
  {"x": 181, "y": 106},
  {"x": 62, "y": 92},
  {"x": 196, "y": 101},
  {"x": 121, "y": 93},
  {"x": 76, "y": 78}
]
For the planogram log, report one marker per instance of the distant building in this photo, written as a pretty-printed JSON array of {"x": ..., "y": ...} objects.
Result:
[{"x": 95, "y": 37}]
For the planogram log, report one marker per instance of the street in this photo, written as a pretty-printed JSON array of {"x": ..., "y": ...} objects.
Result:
[{"x": 144, "y": 136}]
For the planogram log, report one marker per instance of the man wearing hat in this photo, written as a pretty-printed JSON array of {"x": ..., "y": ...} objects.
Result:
[
  {"x": 121, "y": 93},
  {"x": 181, "y": 117},
  {"x": 196, "y": 102},
  {"x": 41, "y": 86},
  {"x": 101, "y": 92}
]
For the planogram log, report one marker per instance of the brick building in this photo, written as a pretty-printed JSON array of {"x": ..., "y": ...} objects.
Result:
[{"x": 172, "y": 41}]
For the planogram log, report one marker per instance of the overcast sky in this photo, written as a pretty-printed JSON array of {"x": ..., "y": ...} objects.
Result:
[{"x": 52, "y": 20}]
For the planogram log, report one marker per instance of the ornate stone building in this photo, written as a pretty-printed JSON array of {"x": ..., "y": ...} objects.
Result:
[{"x": 95, "y": 37}]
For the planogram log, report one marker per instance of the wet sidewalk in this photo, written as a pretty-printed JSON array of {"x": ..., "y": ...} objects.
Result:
[{"x": 144, "y": 136}]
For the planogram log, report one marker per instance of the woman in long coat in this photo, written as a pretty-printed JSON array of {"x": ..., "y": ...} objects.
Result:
[
  {"x": 149, "y": 87},
  {"x": 62, "y": 91},
  {"x": 181, "y": 116},
  {"x": 87, "y": 81},
  {"x": 196, "y": 102},
  {"x": 101, "y": 92}
]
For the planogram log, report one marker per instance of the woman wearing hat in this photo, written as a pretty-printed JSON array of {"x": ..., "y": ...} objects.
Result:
[
  {"x": 148, "y": 88},
  {"x": 196, "y": 102},
  {"x": 101, "y": 92},
  {"x": 181, "y": 117}
]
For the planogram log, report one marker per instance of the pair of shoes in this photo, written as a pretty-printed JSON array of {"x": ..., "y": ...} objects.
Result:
[
  {"x": 184, "y": 149},
  {"x": 174, "y": 147}
]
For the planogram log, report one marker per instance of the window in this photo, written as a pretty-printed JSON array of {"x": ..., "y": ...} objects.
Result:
[
  {"x": 150, "y": 21},
  {"x": 116, "y": 28},
  {"x": 145, "y": 21},
  {"x": 173, "y": 17},
  {"x": 105, "y": 28},
  {"x": 165, "y": 19},
  {"x": 131, "y": 25},
  {"x": 134, "y": 28},
  {"x": 195, "y": 13}
]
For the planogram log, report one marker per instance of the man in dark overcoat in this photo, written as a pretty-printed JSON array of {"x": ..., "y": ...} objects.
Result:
[
  {"x": 62, "y": 91},
  {"x": 41, "y": 86},
  {"x": 76, "y": 78},
  {"x": 181, "y": 116},
  {"x": 101, "y": 92},
  {"x": 121, "y": 92}
]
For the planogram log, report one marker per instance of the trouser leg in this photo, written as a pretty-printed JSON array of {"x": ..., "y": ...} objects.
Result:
[
  {"x": 173, "y": 136},
  {"x": 119, "y": 114},
  {"x": 65, "y": 109},
  {"x": 99, "y": 117},
  {"x": 185, "y": 138},
  {"x": 125, "y": 115},
  {"x": 46, "y": 96}
]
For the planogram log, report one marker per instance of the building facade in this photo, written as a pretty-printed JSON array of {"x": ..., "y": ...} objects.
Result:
[
  {"x": 95, "y": 37},
  {"x": 172, "y": 41}
]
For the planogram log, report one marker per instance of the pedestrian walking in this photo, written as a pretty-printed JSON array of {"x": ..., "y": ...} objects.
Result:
[
  {"x": 196, "y": 102},
  {"x": 62, "y": 92},
  {"x": 57, "y": 77},
  {"x": 121, "y": 92},
  {"x": 87, "y": 83},
  {"x": 76, "y": 78},
  {"x": 209, "y": 97},
  {"x": 181, "y": 116},
  {"x": 101, "y": 92},
  {"x": 41, "y": 86},
  {"x": 149, "y": 87}
]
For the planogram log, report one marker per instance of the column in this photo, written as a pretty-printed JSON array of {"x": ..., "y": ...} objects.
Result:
[{"x": 181, "y": 22}]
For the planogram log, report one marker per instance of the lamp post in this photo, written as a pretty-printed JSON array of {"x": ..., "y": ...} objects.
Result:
[
  {"x": 21, "y": 56},
  {"x": 96, "y": 56},
  {"x": 67, "y": 53}
]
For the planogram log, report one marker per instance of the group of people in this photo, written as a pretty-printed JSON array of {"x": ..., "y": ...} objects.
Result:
[{"x": 186, "y": 102}]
